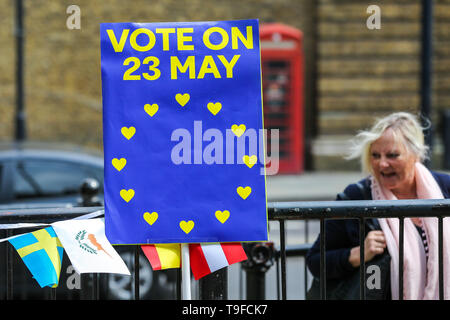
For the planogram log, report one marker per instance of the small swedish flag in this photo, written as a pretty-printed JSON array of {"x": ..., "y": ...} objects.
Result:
[{"x": 42, "y": 253}]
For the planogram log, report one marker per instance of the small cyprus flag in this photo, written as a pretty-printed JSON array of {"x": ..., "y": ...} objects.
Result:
[{"x": 88, "y": 248}]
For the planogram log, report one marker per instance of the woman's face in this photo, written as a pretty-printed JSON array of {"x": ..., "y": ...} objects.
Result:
[{"x": 393, "y": 164}]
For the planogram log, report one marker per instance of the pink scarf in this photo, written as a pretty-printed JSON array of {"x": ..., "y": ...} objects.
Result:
[{"x": 420, "y": 277}]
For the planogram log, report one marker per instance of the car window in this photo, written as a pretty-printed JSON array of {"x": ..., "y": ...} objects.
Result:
[{"x": 38, "y": 178}]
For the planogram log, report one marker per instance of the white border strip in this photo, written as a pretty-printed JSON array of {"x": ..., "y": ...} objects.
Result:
[{"x": 31, "y": 225}]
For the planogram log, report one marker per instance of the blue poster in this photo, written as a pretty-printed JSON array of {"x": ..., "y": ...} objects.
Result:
[{"x": 183, "y": 132}]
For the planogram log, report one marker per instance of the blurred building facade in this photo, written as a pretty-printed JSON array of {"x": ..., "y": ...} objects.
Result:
[{"x": 352, "y": 73}]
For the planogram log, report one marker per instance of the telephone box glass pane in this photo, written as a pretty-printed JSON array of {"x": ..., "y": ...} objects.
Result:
[{"x": 276, "y": 92}]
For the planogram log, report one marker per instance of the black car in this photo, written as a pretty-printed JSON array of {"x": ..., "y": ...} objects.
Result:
[{"x": 36, "y": 176}]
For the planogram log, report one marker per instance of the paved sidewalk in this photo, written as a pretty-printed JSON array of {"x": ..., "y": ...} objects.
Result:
[{"x": 309, "y": 186}]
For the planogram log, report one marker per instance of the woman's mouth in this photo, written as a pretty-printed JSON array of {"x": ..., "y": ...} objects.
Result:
[{"x": 387, "y": 174}]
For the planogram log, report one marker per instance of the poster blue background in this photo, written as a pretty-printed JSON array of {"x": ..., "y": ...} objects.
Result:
[{"x": 184, "y": 191}]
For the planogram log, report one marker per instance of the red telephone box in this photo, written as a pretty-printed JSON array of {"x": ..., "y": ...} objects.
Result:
[{"x": 282, "y": 81}]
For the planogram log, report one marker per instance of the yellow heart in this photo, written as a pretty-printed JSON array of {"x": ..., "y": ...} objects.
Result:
[
  {"x": 186, "y": 226},
  {"x": 244, "y": 192},
  {"x": 238, "y": 130},
  {"x": 127, "y": 195},
  {"x": 214, "y": 108},
  {"x": 249, "y": 161},
  {"x": 222, "y": 216},
  {"x": 182, "y": 99},
  {"x": 151, "y": 109},
  {"x": 128, "y": 132},
  {"x": 150, "y": 217},
  {"x": 119, "y": 163}
]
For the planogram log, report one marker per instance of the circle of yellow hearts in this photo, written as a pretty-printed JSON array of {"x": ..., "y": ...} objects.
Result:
[
  {"x": 214, "y": 108},
  {"x": 244, "y": 192},
  {"x": 150, "y": 217},
  {"x": 222, "y": 216},
  {"x": 128, "y": 132},
  {"x": 187, "y": 226},
  {"x": 182, "y": 99},
  {"x": 119, "y": 164},
  {"x": 249, "y": 161},
  {"x": 151, "y": 109},
  {"x": 127, "y": 195},
  {"x": 238, "y": 130}
]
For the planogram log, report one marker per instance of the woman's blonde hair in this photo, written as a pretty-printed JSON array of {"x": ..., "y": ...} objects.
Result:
[{"x": 403, "y": 124}]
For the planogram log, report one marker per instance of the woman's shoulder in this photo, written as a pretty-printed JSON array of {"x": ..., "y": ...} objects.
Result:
[
  {"x": 443, "y": 179},
  {"x": 356, "y": 191}
]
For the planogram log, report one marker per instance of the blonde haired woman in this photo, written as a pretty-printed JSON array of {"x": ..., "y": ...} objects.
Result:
[{"x": 391, "y": 152}]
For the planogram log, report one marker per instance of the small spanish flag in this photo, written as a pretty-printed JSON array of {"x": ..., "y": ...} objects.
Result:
[
  {"x": 163, "y": 256},
  {"x": 205, "y": 258}
]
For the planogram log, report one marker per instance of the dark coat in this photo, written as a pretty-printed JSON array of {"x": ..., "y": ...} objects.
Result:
[{"x": 343, "y": 234}]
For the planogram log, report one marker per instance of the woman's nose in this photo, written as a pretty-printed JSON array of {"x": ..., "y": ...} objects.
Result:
[{"x": 384, "y": 163}]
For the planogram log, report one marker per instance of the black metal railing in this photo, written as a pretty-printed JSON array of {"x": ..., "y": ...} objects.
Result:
[
  {"x": 277, "y": 211},
  {"x": 362, "y": 209}
]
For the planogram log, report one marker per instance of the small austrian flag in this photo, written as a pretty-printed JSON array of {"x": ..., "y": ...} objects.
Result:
[{"x": 206, "y": 258}]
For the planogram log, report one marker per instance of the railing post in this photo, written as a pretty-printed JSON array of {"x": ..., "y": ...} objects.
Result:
[
  {"x": 136, "y": 272},
  {"x": 362, "y": 263},
  {"x": 400, "y": 257},
  {"x": 95, "y": 287},
  {"x": 441, "y": 256},
  {"x": 323, "y": 275},
  {"x": 260, "y": 259},
  {"x": 283, "y": 260},
  {"x": 84, "y": 285},
  {"x": 53, "y": 294},
  {"x": 9, "y": 268},
  {"x": 214, "y": 286},
  {"x": 178, "y": 284}
]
